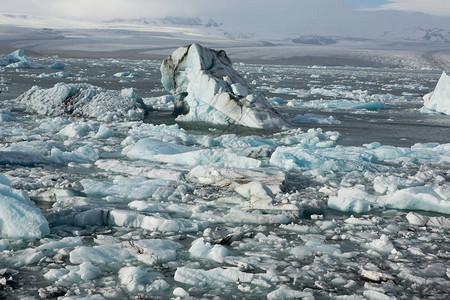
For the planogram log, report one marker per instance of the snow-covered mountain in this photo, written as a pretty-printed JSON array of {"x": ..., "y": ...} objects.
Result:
[
  {"x": 436, "y": 35},
  {"x": 168, "y": 21}
]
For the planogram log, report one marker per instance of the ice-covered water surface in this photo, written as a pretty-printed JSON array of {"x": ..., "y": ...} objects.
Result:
[{"x": 359, "y": 207}]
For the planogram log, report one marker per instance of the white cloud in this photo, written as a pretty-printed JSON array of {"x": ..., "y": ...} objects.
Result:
[
  {"x": 432, "y": 7},
  {"x": 329, "y": 17}
]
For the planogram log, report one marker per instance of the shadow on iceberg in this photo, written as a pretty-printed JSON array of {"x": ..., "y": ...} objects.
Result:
[{"x": 208, "y": 89}]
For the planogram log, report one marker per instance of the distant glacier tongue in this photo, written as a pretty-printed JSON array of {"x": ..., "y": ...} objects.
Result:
[{"x": 208, "y": 89}]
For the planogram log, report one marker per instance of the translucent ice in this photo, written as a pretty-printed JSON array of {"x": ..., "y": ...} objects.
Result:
[
  {"x": 208, "y": 89},
  {"x": 19, "y": 217},
  {"x": 439, "y": 99}
]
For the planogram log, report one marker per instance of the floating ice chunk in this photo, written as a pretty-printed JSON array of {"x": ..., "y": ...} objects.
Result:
[
  {"x": 339, "y": 104},
  {"x": 426, "y": 198},
  {"x": 63, "y": 243},
  {"x": 219, "y": 277},
  {"x": 376, "y": 295},
  {"x": 139, "y": 169},
  {"x": 17, "y": 59},
  {"x": 153, "y": 223},
  {"x": 84, "y": 100},
  {"x": 420, "y": 220},
  {"x": 439, "y": 99},
  {"x": 204, "y": 250},
  {"x": 78, "y": 129},
  {"x": 160, "y": 103},
  {"x": 315, "y": 245},
  {"x": 127, "y": 75},
  {"x": 83, "y": 154},
  {"x": 140, "y": 280},
  {"x": 258, "y": 193},
  {"x": 373, "y": 273},
  {"x": 390, "y": 184},
  {"x": 56, "y": 75},
  {"x": 195, "y": 76},
  {"x": 381, "y": 245},
  {"x": 6, "y": 117},
  {"x": 273, "y": 178},
  {"x": 154, "y": 251},
  {"x": 170, "y": 153},
  {"x": 20, "y": 218},
  {"x": 4, "y": 243},
  {"x": 73, "y": 274},
  {"x": 102, "y": 254},
  {"x": 351, "y": 200},
  {"x": 104, "y": 132},
  {"x": 127, "y": 188},
  {"x": 148, "y": 148},
  {"x": 58, "y": 66},
  {"x": 86, "y": 216},
  {"x": 284, "y": 292},
  {"x": 315, "y": 119},
  {"x": 25, "y": 257},
  {"x": 20, "y": 158},
  {"x": 180, "y": 292}
]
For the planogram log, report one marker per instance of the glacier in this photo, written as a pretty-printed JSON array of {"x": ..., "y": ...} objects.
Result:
[{"x": 208, "y": 89}]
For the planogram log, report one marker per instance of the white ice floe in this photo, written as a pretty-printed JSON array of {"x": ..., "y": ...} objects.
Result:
[
  {"x": 127, "y": 75},
  {"x": 56, "y": 75},
  {"x": 20, "y": 218},
  {"x": 208, "y": 89},
  {"x": 273, "y": 178},
  {"x": 154, "y": 251},
  {"x": 219, "y": 277},
  {"x": 102, "y": 254},
  {"x": 86, "y": 216},
  {"x": 170, "y": 153},
  {"x": 84, "y": 100},
  {"x": 86, "y": 271},
  {"x": 285, "y": 292},
  {"x": 84, "y": 154},
  {"x": 160, "y": 103},
  {"x": 339, "y": 104},
  {"x": 128, "y": 188},
  {"x": 204, "y": 250},
  {"x": 421, "y": 220},
  {"x": 439, "y": 99},
  {"x": 17, "y": 59},
  {"x": 57, "y": 66},
  {"x": 315, "y": 119},
  {"x": 6, "y": 118},
  {"x": 141, "y": 280},
  {"x": 381, "y": 245},
  {"x": 427, "y": 198},
  {"x": 63, "y": 243}
]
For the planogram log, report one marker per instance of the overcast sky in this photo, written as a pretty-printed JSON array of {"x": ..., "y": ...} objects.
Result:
[{"x": 333, "y": 17}]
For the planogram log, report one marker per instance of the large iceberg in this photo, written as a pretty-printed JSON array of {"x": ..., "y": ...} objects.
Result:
[
  {"x": 439, "y": 99},
  {"x": 19, "y": 217},
  {"x": 208, "y": 89},
  {"x": 85, "y": 100},
  {"x": 17, "y": 59}
]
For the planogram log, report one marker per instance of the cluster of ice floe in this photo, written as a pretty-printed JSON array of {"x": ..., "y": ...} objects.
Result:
[{"x": 131, "y": 209}]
